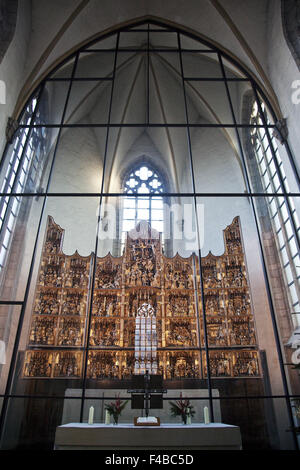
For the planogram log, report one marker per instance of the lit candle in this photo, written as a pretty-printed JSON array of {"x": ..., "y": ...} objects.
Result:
[
  {"x": 107, "y": 417},
  {"x": 91, "y": 415},
  {"x": 206, "y": 415}
]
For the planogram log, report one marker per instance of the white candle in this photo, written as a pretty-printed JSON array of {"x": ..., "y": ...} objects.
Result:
[
  {"x": 189, "y": 418},
  {"x": 206, "y": 415},
  {"x": 107, "y": 417},
  {"x": 91, "y": 415}
]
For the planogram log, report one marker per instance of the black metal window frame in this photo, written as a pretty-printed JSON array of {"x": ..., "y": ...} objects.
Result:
[{"x": 281, "y": 192}]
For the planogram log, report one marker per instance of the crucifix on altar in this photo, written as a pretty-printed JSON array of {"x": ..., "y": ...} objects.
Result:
[{"x": 147, "y": 393}]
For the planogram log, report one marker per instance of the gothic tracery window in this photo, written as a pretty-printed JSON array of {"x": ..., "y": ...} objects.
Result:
[{"x": 138, "y": 206}]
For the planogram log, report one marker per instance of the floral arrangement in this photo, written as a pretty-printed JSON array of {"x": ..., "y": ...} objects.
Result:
[
  {"x": 116, "y": 408},
  {"x": 182, "y": 408}
]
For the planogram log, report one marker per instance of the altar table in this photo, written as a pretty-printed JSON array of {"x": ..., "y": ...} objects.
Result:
[{"x": 83, "y": 436}]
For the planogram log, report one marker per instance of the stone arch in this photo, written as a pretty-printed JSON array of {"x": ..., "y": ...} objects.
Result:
[
  {"x": 8, "y": 21},
  {"x": 268, "y": 95},
  {"x": 290, "y": 12}
]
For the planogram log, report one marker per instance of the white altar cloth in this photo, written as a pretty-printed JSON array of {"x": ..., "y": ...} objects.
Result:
[{"x": 213, "y": 436}]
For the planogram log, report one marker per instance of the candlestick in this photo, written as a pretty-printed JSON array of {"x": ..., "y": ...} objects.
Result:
[
  {"x": 91, "y": 415},
  {"x": 206, "y": 415},
  {"x": 107, "y": 417}
]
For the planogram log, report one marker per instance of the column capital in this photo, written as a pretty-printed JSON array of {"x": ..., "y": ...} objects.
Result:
[
  {"x": 11, "y": 128},
  {"x": 281, "y": 132}
]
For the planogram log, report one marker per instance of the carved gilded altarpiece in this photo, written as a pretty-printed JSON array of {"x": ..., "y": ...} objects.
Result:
[{"x": 143, "y": 312}]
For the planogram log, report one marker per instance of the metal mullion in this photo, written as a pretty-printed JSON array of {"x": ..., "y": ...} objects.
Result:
[
  {"x": 14, "y": 355},
  {"x": 12, "y": 164},
  {"x": 142, "y": 30},
  {"x": 136, "y": 208},
  {"x": 185, "y": 50},
  {"x": 229, "y": 397},
  {"x": 263, "y": 117},
  {"x": 268, "y": 287},
  {"x": 198, "y": 240},
  {"x": 153, "y": 49},
  {"x": 137, "y": 124},
  {"x": 214, "y": 79},
  {"x": 148, "y": 75},
  {"x": 11, "y": 302},
  {"x": 250, "y": 194},
  {"x": 87, "y": 347},
  {"x": 79, "y": 79}
]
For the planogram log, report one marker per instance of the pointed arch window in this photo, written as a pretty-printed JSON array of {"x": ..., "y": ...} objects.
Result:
[
  {"x": 279, "y": 214},
  {"x": 143, "y": 186},
  {"x": 22, "y": 174},
  {"x": 145, "y": 340}
]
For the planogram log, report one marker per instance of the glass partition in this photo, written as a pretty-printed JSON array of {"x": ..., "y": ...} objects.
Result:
[{"x": 147, "y": 224}]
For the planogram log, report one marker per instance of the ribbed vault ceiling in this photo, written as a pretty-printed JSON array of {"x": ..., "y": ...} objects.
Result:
[{"x": 147, "y": 88}]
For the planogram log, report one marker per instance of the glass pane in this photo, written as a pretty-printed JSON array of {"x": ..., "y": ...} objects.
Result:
[
  {"x": 201, "y": 65},
  {"x": 238, "y": 90},
  {"x": 64, "y": 71},
  {"x": 9, "y": 318},
  {"x": 129, "y": 104},
  {"x": 143, "y": 214},
  {"x": 263, "y": 422},
  {"x": 143, "y": 203},
  {"x": 15, "y": 261},
  {"x": 89, "y": 104},
  {"x": 95, "y": 65},
  {"x": 216, "y": 161},
  {"x": 163, "y": 150},
  {"x": 51, "y": 349},
  {"x": 25, "y": 160},
  {"x": 31, "y": 422},
  {"x": 107, "y": 43},
  {"x": 231, "y": 70},
  {"x": 136, "y": 40},
  {"x": 53, "y": 100},
  {"x": 166, "y": 93},
  {"x": 207, "y": 103},
  {"x": 78, "y": 161},
  {"x": 140, "y": 262},
  {"x": 189, "y": 43},
  {"x": 163, "y": 40},
  {"x": 129, "y": 213}
]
